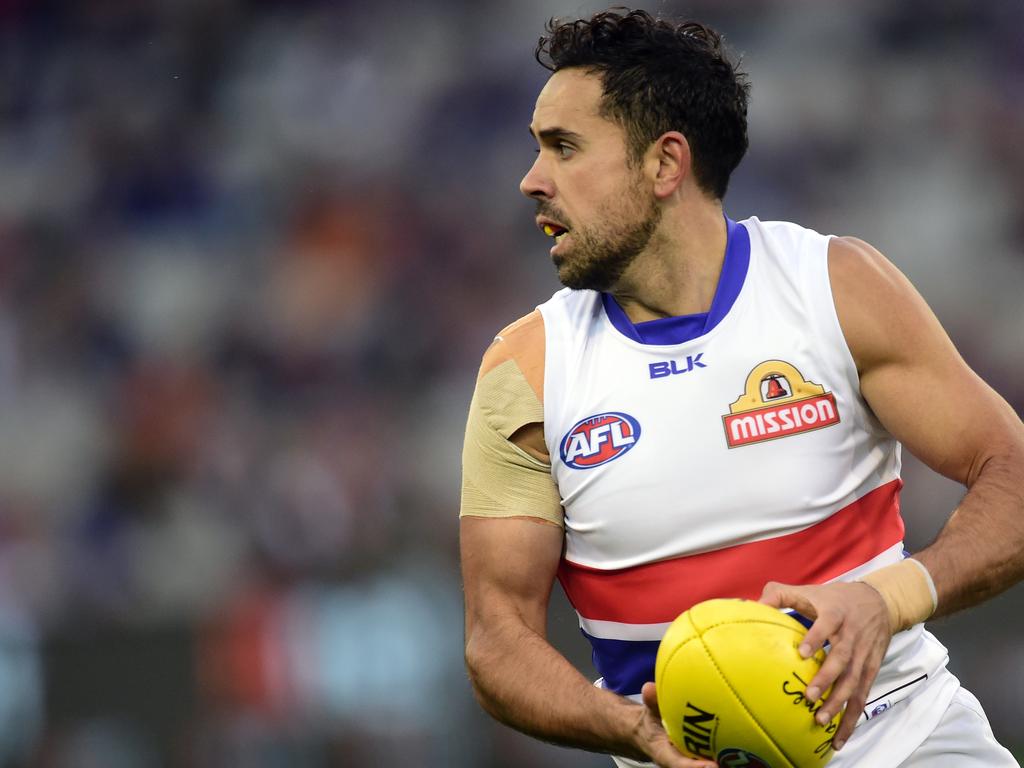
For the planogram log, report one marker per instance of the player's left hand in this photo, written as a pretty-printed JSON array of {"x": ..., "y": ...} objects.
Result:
[{"x": 853, "y": 617}]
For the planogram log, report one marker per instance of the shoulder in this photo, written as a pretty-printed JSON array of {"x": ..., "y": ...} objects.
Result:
[
  {"x": 866, "y": 281},
  {"x": 853, "y": 260},
  {"x": 509, "y": 394},
  {"x": 879, "y": 310},
  {"x": 522, "y": 344}
]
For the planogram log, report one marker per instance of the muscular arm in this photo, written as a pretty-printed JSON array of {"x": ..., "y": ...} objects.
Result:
[
  {"x": 908, "y": 368},
  {"x": 508, "y": 568},
  {"x": 511, "y": 547}
]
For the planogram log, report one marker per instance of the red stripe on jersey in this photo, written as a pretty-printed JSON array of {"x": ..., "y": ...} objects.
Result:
[{"x": 658, "y": 592}]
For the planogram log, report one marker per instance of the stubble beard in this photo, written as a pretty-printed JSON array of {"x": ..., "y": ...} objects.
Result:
[{"x": 600, "y": 255}]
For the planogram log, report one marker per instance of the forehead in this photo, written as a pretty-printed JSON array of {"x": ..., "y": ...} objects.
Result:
[{"x": 571, "y": 99}]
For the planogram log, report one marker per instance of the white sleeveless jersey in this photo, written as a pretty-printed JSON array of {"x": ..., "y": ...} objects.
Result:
[{"x": 707, "y": 468}]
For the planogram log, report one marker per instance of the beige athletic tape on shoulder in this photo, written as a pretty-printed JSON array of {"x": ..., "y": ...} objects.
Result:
[
  {"x": 908, "y": 591},
  {"x": 522, "y": 341},
  {"x": 499, "y": 479}
]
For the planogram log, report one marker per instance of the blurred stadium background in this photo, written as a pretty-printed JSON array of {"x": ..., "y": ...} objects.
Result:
[{"x": 250, "y": 255}]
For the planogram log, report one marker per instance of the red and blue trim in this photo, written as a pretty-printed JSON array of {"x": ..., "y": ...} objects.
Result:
[{"x": 655, "y": 593}]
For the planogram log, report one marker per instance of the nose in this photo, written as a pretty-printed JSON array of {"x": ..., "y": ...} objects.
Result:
[{"x": 536, "y": 183}]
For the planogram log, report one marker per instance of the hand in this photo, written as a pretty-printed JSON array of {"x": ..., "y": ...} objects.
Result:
[
  {"x": 653, "y": 740},
  {"x": 854, "y": 618}
]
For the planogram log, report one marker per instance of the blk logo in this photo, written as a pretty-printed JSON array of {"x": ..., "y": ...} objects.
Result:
[{"x": 675, "y": 367}]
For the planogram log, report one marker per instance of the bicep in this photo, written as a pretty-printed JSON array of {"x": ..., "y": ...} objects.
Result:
[
  {"x": 508, "y": 570},
  {"x": 911, "y": 375}
]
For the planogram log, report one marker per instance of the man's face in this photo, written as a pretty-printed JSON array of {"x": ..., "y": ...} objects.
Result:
[{"x": 588, "y": 195}]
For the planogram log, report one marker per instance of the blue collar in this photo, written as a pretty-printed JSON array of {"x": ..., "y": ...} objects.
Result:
[{"x": 676, "y": 330}]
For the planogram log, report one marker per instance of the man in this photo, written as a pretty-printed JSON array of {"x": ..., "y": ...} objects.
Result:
[{"x": 712, "y": 408}]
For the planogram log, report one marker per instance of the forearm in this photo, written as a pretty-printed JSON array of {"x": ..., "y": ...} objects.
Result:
[
  {"x": 521, "y": 680},
  {"x": 980, "y": 551}
]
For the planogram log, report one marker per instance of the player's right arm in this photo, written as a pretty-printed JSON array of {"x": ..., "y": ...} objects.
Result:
[
  {"x": 508, "y": 566},
  {"x": 511, "y": 544}
]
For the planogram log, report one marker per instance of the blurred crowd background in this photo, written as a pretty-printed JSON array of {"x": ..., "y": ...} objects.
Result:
[{"x": 250, "y": 256}]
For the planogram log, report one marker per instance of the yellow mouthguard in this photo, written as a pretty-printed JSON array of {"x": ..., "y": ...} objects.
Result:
[{"x": 549, "y": 230}]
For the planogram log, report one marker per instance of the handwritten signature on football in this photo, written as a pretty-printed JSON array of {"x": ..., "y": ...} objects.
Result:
[{"x": 796, "y": 692}]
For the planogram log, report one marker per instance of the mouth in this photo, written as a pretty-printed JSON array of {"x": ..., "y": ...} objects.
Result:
[
  {"x": 553, "y": 230},
  {"x": 558, "y": 233}
]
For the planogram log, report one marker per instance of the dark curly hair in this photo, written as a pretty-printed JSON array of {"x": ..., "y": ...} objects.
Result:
[{"x": 660, "y": 76}]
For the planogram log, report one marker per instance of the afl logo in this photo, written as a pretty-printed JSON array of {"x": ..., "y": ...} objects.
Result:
[
  {"x": 884, "y": 706},
  {"x": 734, "y": 758},
  {"x": 596, "y": 440}
]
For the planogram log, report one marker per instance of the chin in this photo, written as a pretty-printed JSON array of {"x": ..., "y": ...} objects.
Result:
[
  {"x": 569, "y": 277},
  {"x": 580, "y": 282}
]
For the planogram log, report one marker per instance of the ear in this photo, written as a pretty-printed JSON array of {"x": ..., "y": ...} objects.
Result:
[{"x": 669, "y": 161}]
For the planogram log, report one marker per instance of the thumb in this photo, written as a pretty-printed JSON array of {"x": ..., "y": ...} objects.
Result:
[{"x": 650, "y": 696}]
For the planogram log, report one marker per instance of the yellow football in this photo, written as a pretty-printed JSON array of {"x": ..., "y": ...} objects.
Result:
[{"x": 731, "y": 688}]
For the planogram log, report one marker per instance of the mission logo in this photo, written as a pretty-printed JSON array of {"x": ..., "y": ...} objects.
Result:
[
  {"x": 778, "y": 402},
  {"x": 596, "y": 440}
]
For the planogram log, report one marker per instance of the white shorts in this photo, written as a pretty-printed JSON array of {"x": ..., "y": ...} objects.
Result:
[{"x": 957, "y": 737}]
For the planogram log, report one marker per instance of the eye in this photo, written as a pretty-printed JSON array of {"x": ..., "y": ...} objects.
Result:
[{"x": 565, "y": 151}]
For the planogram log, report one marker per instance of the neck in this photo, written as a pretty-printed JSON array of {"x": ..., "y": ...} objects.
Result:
[{"x": 678, "y": 272}]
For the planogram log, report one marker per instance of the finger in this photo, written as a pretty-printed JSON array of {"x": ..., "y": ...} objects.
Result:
[
  {"x": 824, "y": 627},
  {"x": 774, "y": 594},
  {"x": 649, "y": 693},
  {"x": 858, "y": 700},
  {"x": 845, "y": 686},
  {"x": 852, "y": 714},
  {"x": 667, "y": 755},
  {"x": 685, "y": 762},
  {"x": 787, "y": 596},
  {"x": 838, "y": 659}
]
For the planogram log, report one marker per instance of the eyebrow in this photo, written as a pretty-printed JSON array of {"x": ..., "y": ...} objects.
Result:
[{"x": 552, "y": 134}]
